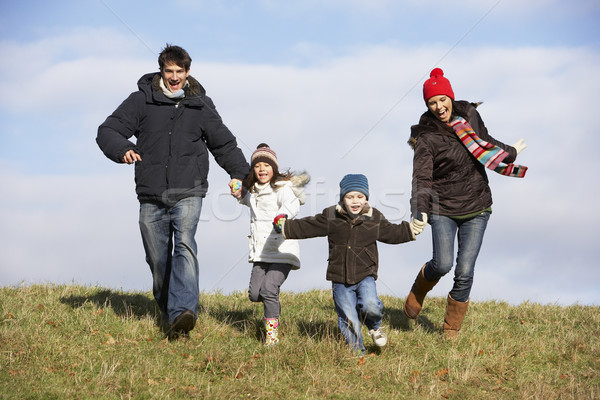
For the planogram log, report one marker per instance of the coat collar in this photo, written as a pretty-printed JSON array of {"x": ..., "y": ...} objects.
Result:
[
  {"x": 262, "y": 189},
  {"x": 367, "y": 211},
  {"x": 149, "y": 84},
  {"x": 429, "y": 123},
  {"x": 193, "y": 87}
]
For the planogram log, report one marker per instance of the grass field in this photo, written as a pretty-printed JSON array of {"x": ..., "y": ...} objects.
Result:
[{"x": 76, "y": 342}]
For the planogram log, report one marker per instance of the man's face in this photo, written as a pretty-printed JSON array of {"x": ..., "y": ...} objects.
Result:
[{"x": 174, "y": 77}]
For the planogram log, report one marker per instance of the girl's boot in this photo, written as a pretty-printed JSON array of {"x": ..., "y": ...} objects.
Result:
[
  {"x": 455, "y": 315},
  {"x": 414, "y": 301},
  {"x": 271, "y": 327}
]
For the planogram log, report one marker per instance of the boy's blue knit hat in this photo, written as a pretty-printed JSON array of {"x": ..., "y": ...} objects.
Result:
[{"x": 352, "y": 182}]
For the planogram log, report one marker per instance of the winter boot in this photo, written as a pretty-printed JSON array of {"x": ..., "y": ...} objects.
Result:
[
  {"x": 414, "y": 301},
  {"x": 455, "y": 314},
  {"x": 271, "y": 327}
]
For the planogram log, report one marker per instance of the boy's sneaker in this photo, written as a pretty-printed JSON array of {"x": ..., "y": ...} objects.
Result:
[{"x": 379, "y": 338}]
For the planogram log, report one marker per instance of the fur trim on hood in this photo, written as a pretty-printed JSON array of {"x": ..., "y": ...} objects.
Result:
[
  {"x": 367, "y": 211},
  {"x": 298, "y": 182},
  {"x": 192, "y": 88}
]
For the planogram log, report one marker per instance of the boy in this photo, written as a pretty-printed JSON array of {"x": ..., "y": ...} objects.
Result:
[{"x": 353, "y": 228}]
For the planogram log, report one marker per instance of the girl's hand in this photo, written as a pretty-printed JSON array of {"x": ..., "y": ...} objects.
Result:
[{"x": 236, "y": 188}]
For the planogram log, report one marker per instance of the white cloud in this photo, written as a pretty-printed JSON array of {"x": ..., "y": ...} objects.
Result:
[{"x": 71, "y": 70}]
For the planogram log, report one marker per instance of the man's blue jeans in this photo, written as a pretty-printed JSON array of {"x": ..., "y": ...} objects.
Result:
[
  {"x": 171, "y": 252},
  {"x": 470, "y": 236},
  {"x": 356, "y": 303}
]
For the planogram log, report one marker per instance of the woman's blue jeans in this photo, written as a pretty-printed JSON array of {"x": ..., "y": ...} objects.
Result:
[
  {"x": 356, "y": 303},
  {"x": 470, "y": 236},
  {"x": 171, "y": 252}
]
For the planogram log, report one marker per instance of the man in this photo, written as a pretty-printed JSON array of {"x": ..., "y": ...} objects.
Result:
[{"x": 175, "y": 125}]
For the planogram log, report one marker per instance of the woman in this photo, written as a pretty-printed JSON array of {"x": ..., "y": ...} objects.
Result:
[{"x": 452, "y": 149}]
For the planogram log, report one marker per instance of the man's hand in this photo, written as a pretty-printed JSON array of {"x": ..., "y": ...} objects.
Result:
[{"x": 131, "y": 156}]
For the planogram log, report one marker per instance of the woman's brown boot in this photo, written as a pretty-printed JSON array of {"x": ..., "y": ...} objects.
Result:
[
  {"x": 414, "y": 301},
  {"x": 455, "y": 314}
]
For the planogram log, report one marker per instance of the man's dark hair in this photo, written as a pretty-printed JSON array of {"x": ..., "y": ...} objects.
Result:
[{"x": 174, "y": 55}]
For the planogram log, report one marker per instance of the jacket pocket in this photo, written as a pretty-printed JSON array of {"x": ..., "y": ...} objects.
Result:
[
  {"x": 364, "y": 258},
  {"x": 371, "y": 255}
]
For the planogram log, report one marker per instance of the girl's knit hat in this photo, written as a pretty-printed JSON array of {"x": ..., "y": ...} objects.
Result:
[
  {"x": 263, "y": 153},
  {"x": 437, "y": 85},
  {"x": 354, "y": 182}
]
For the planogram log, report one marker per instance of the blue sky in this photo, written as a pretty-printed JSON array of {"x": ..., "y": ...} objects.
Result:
[{"x": 333, "y": 86}]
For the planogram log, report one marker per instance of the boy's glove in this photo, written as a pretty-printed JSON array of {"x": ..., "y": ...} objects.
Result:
[
  {"x": 278, "y": 222},
  {"x": 417, "y": 225}
]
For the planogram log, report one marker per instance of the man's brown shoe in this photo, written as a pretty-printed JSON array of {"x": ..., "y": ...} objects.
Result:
[{"x": 182, "y": 324}]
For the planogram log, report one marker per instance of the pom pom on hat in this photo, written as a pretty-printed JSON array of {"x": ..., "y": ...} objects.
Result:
[
  {"x": 354, "y": 182},
  {"x": 263, "y": 153},
  {"x": 436, "y": 85}
]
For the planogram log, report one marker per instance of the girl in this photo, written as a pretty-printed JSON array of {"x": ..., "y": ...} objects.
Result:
[
  {"x": 452, "y": 151},
  {"x": 268, "y": 193}
]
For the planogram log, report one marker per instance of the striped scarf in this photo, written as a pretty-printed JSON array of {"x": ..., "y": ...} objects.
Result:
[{"x": 488, "y": 154}]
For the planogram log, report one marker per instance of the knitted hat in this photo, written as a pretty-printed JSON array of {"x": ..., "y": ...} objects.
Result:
[
  {"x": 354, "y": 182},
  {"x": 437, "y": 85},
  {"x": 264, "y": 154}
]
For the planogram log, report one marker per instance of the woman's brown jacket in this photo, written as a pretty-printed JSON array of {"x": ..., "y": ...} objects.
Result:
[{"x": 447, "y": 179}]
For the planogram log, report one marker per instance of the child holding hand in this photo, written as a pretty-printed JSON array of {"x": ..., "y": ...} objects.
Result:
[
  {"x": 353, "y": 228},
  {"x": 268, "y": 193}
]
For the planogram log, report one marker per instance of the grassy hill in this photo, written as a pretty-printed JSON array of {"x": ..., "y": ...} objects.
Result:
[{"x": 76, "y": 342}]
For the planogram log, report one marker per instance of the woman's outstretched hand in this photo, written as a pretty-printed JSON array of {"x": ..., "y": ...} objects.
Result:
[
  {"x": 520, "y": 145},
  {"x": 417, "y": 225}
]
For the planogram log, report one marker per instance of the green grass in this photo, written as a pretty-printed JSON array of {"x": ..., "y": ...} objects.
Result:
[{"x": 75, "y": 342}]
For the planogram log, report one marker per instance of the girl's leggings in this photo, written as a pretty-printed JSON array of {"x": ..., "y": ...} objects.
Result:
[{"x": 265, "y": 281}]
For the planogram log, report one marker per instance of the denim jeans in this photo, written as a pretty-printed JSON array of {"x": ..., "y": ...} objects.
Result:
[
  {"x": 265, "y": 281},
  {"x": 470, "y": 236},
  {"x": 171, "y": 252},
  {"x": 356, "y": 303}
]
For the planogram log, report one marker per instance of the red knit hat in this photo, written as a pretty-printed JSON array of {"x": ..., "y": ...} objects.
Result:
[{"x": 437, "y": 85}]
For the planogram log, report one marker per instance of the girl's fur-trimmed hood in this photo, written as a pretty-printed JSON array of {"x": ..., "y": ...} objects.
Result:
[{"x": 297, "y": 183}]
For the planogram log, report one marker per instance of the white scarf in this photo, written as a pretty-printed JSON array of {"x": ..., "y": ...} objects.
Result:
[{"x": 178, "y": 95}]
